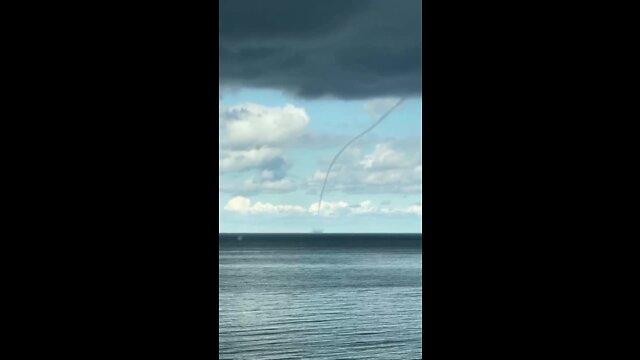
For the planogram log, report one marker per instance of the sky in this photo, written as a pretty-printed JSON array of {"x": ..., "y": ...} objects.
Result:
[{"x": 298, "y": 80}]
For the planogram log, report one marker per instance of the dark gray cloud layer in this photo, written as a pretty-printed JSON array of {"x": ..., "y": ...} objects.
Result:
[{"x": 350, "y": 49}]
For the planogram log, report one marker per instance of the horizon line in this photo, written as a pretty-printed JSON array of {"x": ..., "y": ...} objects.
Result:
[{"x": 323, "y": 233}]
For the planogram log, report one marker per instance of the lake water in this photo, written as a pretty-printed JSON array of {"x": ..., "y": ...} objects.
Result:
[{"x": 320, "y": 297}]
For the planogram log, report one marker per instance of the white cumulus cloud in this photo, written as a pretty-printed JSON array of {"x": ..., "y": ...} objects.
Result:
[
  {"x": 245, "y": 206},
  {"x": 329, "y": 208},
  {"x": 384, "y": 157},
  {"x": 251, "y": 125},
  {"x": 385, "y": 169},
  {"x": 240, "y": 160},
  {"x": 256, "y": 138}
]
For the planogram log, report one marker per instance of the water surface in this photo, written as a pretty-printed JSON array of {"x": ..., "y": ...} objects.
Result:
[{"x": 320, "y": 297}]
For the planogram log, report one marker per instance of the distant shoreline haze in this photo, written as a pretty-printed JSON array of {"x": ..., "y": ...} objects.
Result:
[{"x": 246, "y": 240}]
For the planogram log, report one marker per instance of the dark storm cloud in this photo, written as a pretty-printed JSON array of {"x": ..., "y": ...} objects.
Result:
[{"x": 350, "y": 49}]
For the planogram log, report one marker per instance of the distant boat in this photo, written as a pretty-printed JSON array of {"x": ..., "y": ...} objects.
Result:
[{"x": 317, "y": 231}]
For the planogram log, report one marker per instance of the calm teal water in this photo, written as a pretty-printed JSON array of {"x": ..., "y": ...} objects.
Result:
[{"x": 302, "y": 298}]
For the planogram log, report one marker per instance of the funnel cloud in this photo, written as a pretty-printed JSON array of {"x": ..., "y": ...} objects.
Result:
[{"x": 346, "y": 146}]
